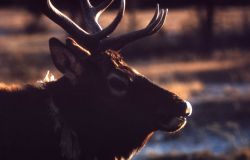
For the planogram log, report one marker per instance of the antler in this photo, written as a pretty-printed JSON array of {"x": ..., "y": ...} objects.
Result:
[
  {"x": 95, "y": 38},
  {"x": 92, "y": 14},
  {"x": 91, "y": 40},
  {"x": 155, "y": 25}
]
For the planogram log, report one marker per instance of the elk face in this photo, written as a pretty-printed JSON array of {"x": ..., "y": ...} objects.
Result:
[{"x": 119, "y": 93}]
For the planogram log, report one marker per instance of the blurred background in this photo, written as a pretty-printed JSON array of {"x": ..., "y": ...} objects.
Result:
[{"x": 202, "y": 53}]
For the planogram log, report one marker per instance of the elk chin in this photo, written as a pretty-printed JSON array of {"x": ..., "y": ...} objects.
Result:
[{"x": 173, "y": 125}]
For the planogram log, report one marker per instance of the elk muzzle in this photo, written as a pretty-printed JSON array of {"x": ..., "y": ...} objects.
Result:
[
  {"x": 177, "y": 119},
  {"x": 169, "y": 111}
]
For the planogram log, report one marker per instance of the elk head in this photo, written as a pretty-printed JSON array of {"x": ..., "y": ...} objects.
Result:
[{"x": 105, "y": 95}]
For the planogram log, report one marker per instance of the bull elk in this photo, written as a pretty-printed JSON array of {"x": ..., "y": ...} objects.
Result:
[{"x": 100, "y": 109}]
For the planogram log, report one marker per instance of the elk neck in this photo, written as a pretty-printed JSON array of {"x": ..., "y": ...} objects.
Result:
[{"x": 99, "y": 137}]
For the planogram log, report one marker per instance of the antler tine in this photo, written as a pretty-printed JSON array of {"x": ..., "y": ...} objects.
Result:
[
  {"x": 103, "y": 6},
  {"x": 108, "y": 30},
  {"x": 88, "y": 3},
  {"x": 156, "y": 15},
  {"x": 154, "y": 25},
  {"x": 162, "y": 21},
  {"x": 68, "y": 25},
  {"x": 91, "y": 15}
]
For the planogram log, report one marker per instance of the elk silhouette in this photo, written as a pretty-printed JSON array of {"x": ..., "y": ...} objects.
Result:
[{"x": 100, "y": 108}]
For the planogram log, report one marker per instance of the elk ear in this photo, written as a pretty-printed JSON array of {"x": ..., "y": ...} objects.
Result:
[{"x": 64, "y": 60}]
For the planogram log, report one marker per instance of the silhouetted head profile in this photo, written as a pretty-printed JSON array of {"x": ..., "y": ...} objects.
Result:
[{"x": 101, "y": 107}]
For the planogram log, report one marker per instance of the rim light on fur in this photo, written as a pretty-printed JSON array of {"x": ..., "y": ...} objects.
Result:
[{"x": 49, "y": 77}]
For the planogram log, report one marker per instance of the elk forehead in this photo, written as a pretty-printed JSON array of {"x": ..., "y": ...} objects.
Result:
[{"x": 115, "y": 62}]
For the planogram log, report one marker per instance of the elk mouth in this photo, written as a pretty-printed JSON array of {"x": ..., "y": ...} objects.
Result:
[{"x": 172, "y": 125}]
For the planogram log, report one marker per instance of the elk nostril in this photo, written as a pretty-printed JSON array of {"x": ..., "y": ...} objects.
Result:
[{"x": 188, "y": 108}]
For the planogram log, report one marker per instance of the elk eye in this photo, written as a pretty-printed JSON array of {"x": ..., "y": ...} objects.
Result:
[{"x": 117, "y": 84}]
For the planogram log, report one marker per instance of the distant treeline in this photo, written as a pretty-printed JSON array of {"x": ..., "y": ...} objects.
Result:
[
  {"x": 143, "y": 4},
  {"x": 185, "y": 3}
]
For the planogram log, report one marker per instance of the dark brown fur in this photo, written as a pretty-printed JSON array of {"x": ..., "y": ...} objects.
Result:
[{"x": 101, "y": 125}]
